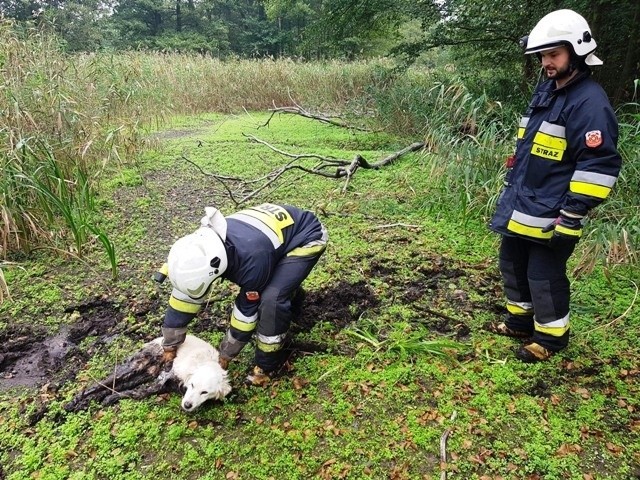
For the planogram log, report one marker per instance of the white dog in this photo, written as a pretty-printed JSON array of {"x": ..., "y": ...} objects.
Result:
[{"x": 196, "y": 368}]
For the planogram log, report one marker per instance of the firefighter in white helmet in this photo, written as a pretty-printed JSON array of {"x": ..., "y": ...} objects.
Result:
[
  {"x": 565, "y": 164},
  {"x": 268, "y": 251}
]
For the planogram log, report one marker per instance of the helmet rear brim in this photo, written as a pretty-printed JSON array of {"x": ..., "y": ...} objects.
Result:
[{"x": 591, "y": 59}]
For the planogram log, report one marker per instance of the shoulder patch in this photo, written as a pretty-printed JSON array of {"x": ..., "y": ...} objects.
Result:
[{"x": 593, "y": 138}]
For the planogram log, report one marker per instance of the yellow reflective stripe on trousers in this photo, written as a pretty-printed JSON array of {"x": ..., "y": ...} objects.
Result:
[
  {"x": 269, "y": 343},
  {"x": 556, "y": 328},
  {"x": 241, "y": 322},
  {"x": 520, "y": 308}
]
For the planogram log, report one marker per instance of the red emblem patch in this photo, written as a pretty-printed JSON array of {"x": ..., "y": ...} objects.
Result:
[{"x": 593, "y": 138}]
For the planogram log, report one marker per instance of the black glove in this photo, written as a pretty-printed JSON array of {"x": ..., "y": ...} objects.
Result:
[{"x": 567, "y": 230}]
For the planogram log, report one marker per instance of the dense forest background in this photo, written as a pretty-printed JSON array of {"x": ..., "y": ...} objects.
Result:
[{"x": 481, "y": 37}]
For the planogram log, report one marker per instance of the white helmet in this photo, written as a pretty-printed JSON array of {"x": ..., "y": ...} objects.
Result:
[
  {"x": 197, "y": 259},
  {"x": 563, "y": 27}
]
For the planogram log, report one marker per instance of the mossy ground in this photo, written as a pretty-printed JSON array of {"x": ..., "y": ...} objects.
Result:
[{"x": 371, "y": 403}]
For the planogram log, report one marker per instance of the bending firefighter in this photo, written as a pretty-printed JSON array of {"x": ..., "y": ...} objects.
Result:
[
  {"x": 565, "y": 164},
  {"x": 268, "y": 251}
]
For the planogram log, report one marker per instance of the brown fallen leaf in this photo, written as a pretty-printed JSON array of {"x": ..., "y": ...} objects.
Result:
[
  {"x": 613, "y": 448},
  {"x": 299, "y": 383},
  {"x": 568, "y": 449}
]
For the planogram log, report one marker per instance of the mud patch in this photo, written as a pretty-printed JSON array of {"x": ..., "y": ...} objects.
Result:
[
  {"x": 339, "y": 306},
  {"x": 30, "y": 358}
]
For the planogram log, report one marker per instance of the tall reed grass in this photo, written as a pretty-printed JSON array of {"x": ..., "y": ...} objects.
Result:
[
  {"x": 67, "y": 121},
  {"x": 58, "y": 133}
]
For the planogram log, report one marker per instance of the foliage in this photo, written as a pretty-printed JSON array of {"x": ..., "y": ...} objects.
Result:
[
  {"x": 480, "y": 38},
  {"x": 54, "y": 158},
  {"x": 56, "y": 136},
  {"x": 350, "y": 410},
  {"x": 484, "y": 38}
]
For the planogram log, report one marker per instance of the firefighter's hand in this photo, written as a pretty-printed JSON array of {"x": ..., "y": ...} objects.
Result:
[
  {"x": 224, "y": 362},
  {"x": 168, "y": 355},
  {"x": 566, "y": 232}
]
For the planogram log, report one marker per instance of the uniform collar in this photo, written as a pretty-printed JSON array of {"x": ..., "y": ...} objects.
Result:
[{"x": 580, "y": 76}]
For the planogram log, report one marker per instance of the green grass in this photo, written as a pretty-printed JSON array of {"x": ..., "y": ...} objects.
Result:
[{"x": 377, "y": 402}]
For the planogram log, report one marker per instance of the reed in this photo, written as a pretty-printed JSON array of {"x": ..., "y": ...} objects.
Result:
[{"x": 68, "y": 122}]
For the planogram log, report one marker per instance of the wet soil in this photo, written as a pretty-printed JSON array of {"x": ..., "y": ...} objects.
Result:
[{"x": 31, "y": 355}]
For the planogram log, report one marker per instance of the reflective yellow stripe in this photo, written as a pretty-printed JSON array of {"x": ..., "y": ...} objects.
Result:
[
  {"x": 568, "y": 231},
  {"x": 535, "y": 232},
  {"x": 268, "y": 347},
  {"x": 557, "y": 328},
  {"x": 273, "y": 216},
  {"x": 242, "y": 322},
  {"x": 589, "y": 189},
  {"x": 518, "y": 310},
  {"x": 306, "y": 251},
  {"x": 520, "y": 133},
  {"x": 242, "y": 326},
  {"x": 546, "y": 140},
  {"x": 553, "y": 331},
  {"x": 182, "y": 306}
]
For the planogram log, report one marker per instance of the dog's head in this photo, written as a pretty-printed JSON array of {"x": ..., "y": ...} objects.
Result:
[{"x": 206, "y": 383}]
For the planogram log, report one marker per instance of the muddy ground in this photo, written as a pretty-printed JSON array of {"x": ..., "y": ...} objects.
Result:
[{"x": 31, "y": 356}]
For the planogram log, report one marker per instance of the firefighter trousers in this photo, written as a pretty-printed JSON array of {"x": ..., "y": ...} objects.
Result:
[
  {"x": 278, "y": 303},
  {"x": 537, "y": 289}
]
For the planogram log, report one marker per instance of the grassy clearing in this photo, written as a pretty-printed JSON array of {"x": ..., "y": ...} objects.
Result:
[{"x": 376, "y": 402}]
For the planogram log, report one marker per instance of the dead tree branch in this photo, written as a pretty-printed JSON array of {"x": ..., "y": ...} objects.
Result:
[
  {"x": 328, "y": 119},
  {"x": 296, "y": 109},
  {"x": 328, "y": 167}
]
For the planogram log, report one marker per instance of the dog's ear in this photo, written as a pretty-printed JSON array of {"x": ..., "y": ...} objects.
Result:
[{"x": 224, "y": 390}]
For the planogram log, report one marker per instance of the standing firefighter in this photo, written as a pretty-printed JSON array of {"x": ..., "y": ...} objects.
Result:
[
  {"x": 565, "y": 164},
  {"x": 268, "y": 251}
]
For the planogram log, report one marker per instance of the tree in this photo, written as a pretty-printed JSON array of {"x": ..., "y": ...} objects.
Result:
[{"x": 83, "y": 25}]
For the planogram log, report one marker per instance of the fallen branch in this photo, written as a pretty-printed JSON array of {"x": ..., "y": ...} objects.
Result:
[
  {"x": 344, "y": 168},
  {"x": 328, "y": 167},
  {"x": 298, "y": 110},
  {"x": 443, "y": 447},
  {"x": 393, "y": 225}
]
